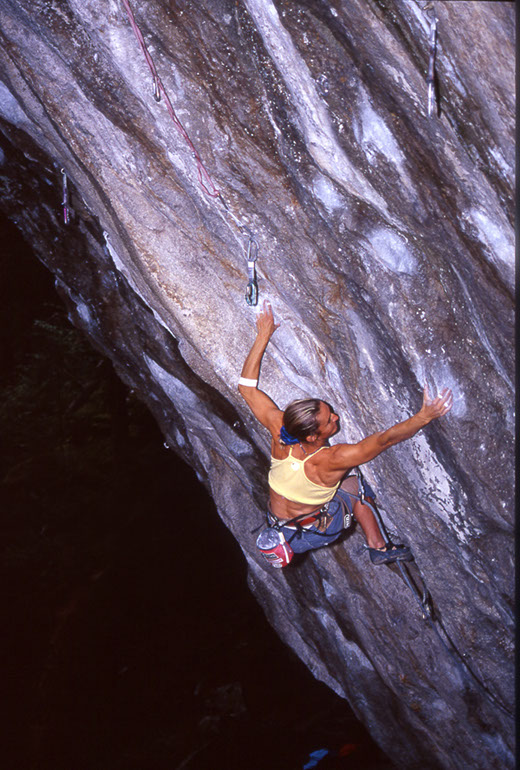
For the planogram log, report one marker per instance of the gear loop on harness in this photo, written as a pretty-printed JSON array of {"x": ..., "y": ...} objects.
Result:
[{"x": 295, "y": 523}]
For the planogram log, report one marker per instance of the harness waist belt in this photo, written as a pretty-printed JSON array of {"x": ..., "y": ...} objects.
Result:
[{"x": 302, "y": 522}]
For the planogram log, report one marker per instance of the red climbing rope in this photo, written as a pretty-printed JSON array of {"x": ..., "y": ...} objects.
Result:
[{"x": 204, "y": 178}]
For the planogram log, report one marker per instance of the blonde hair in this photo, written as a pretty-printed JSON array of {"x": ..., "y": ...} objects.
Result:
[{"x": 300, "y": 418}]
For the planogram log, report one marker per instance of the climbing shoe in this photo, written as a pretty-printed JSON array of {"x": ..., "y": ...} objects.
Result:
[{"x": 390, "y": 553}]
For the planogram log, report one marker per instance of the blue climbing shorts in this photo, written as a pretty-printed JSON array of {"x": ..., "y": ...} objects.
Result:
[{"x": 308, "y": 538}]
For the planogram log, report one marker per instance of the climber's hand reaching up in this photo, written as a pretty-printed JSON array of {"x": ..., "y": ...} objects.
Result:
[{"x": 265, "y": 324}]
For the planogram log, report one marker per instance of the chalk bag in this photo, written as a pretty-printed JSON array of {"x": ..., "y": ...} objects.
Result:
[{"x": 274, "y": 547}]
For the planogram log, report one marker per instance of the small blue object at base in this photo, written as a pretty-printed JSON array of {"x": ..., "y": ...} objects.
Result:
[{"x": 314, "y": 758}]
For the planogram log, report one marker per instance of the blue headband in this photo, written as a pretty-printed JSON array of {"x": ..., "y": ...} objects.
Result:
[{"x": 286, "y": 437}]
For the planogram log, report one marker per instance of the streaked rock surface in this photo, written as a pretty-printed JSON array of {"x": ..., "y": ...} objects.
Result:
[{"x": 386, "y": 247}]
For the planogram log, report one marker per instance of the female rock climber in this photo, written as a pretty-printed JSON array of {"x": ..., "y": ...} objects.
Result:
[{"x": 308, "y": 475}]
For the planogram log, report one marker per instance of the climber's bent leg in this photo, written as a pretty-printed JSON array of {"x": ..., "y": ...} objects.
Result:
[
  {"x": 380, "y": 552},
  {"x": 327, "y": 531},
  {"x": 364, "y": 515}
]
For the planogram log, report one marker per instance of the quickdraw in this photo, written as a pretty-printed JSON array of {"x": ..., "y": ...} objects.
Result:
[
  {"x": 65, "y": 198},
  {"x": 430, "y": 77},
  {"x": 421, "y": 595},
  {"x": 159, "y": 91},
  {"x": 251, "y": 256},
  {"x": 252, "y": 286},
  {"x": 205, "y": 180},
  {"x": 424, "y": 600},
  {"x": 431, "y": 67}
]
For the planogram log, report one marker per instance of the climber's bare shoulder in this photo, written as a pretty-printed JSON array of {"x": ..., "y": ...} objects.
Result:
[
  {"x": 343, "y": 457},
  {"x": 263, "y": 408},
  {"x": 324, "y": 468},
  {"x": 339, "y": 459}
]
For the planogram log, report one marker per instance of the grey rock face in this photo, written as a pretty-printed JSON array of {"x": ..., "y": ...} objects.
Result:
[{"x": 386, "y": 248}]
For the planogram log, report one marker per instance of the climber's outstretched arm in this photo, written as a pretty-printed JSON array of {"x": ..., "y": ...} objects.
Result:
[
  {"x": 263, "y": 407},
  {"x": 346, "y": 456}
]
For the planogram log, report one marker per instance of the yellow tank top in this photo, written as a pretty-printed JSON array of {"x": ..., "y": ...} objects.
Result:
[{"x": 287, "y": 477}]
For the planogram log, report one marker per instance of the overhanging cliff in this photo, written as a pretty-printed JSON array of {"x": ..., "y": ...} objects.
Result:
[{"x": 385, "y": 244}]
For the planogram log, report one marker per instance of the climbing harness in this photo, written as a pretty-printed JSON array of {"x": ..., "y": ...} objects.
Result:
[
  {"x": 277, "y": 549},
  {"x": 205, "y": 180},
  {"x": 431, "y": 78},
  {"x": 65, "y": 198}
]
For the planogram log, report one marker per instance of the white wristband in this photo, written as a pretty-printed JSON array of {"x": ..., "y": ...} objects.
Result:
[{"x": 248, "y": 383}]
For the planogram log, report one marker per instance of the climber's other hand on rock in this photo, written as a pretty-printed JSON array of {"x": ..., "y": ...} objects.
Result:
[{"x": 436, "y": 407}]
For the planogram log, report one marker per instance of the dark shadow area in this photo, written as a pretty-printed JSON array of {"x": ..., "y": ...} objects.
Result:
[{"x": 131, "y": 641}]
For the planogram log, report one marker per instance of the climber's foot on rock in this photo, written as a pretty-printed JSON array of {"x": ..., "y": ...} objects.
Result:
[{"x": 389, "y": 553}]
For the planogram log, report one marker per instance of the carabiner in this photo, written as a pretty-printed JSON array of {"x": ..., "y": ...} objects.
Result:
[
  {"x": 430, "y": 78},
  {"x": 252, "y": 293},
  {"x": 65, "y": 198},
  {"x": 252, "y": 250},
  {"x": 252, "y": 286}
]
